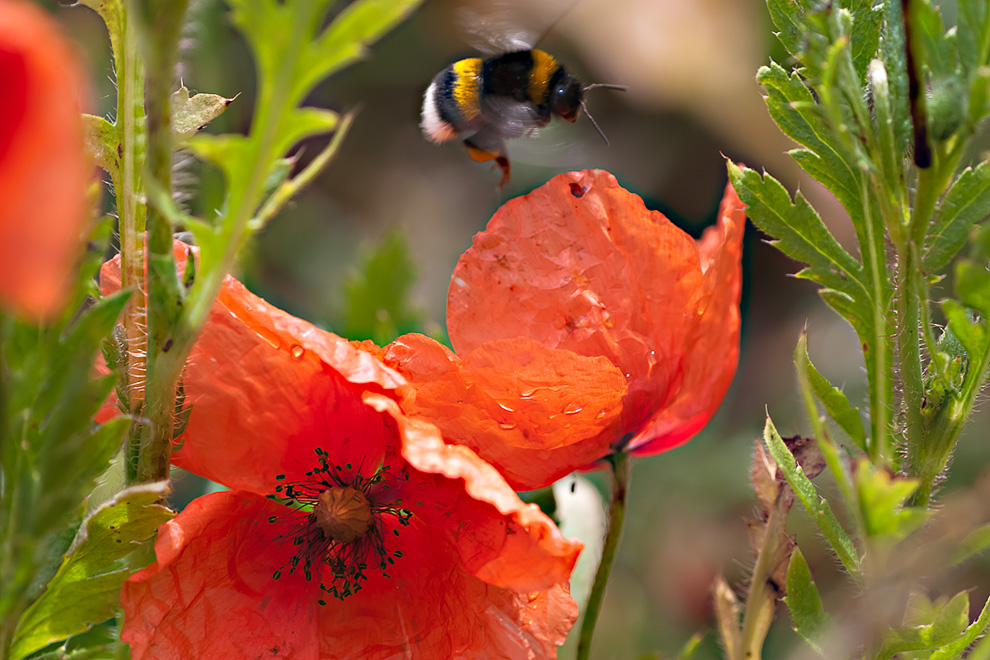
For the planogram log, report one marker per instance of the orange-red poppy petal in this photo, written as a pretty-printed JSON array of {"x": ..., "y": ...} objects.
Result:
[
  {"x": 266, "y": 389},
  {"x": 715, "y": 336},
  {"x": 523, "y": 550},
  {"x": 43, "y": 169},
  {"x": 431, "y": 607},
  {"x": 531, "y": 411},
  {"x": 210, "y": 593},
  {"x": 581, "y": 264}
]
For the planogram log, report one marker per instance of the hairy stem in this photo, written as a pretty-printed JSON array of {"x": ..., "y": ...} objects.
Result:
[
  {"x": 161, "y": 23},
  {"x": 616, "y": 515}
]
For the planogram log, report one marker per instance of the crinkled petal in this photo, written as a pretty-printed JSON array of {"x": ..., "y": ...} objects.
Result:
[
  {"x": 531, "y": 411},
  {"x": 715, "y": 337},
  {"x": 211, "y": 592},
  {"x": 266, "y": 389},
  {"x": 500, "y": 538},
  {"x": 430, "y": 606},
  {"x": 44, "y": 172},
  {"x": 581, "y": 264}
]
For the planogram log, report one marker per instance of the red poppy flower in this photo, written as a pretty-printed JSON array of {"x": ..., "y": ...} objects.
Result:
[
  {"x": 581, "y": 265},
  {"x": 43, "y": 170},
  {"x": 353, "y": 532}
]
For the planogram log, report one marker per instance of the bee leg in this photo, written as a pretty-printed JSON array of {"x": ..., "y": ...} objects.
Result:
[{"x": 484, "y": 153}]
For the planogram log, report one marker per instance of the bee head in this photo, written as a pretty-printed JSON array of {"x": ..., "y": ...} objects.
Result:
[{"x": 568, "y": 97}]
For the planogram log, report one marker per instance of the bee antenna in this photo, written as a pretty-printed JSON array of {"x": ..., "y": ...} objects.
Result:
[
  {"x": 620, "y": 88},
  {"x": 593, "y": 122}
]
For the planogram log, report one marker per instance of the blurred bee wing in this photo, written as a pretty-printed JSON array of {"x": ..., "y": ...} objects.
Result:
[
  {"x": 495, "y": 30},
  {"x": 513, "y": 119},
  {"x": 504, "y": 26}
]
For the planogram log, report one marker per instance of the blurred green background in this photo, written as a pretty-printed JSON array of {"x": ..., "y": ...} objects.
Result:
[{"x": 692, "y": 100}]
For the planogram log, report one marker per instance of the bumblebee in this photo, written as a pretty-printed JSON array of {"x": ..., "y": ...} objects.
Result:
[{"x": 487, "y": 101}]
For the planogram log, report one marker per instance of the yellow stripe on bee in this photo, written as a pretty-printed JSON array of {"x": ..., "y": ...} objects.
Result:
[
  {"x": 539, "y": 77},
  {"x": 467, "y": 87}
]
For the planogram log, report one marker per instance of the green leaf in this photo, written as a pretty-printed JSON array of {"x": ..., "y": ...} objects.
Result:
[
  {"x": 927, "y": 625},
  {"x": 377, "y": 297},
  {"x": 804, "y": 601},
  {"x": 939, "y": 49},
  {"x": 955, "y": 649},
  {"x": 966, "y": 203},
  {"x": 865, "y": 35},
  {"x": 836, "y": 404},
  {"x": 978, "y": 541},
  {"x": 800, "y": 234},
  {"x": 881, "y": 501},
  {"x": 972, "y": 30},
  {"x": 86, "y": 589},
  {"x": 346, "y": 40},
  {"x": 973, "y": 285},
  {"x": 818, "y": 508},
  {"x": 190, "y": 115},
  {"x": 102, "y": 142}
]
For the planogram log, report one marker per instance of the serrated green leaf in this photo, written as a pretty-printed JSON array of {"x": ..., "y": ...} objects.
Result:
[
  {"x": 817, "y": 507},
  {"x": 881, "y": 502},
  {"x": 190, "y": 114},
  {"x": 798, "y": 232},
  {"x": 955, "y": 649},
  {"x": 87, "y": 586},
  {"x": 804, "y": 601},
  {"x": 928, "y": 626},
  {"x": 966, "y": 203}
]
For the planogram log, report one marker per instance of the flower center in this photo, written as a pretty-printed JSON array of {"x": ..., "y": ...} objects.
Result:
[
  {"x": 343, "y": 514},
  {"x": 341, "y": 529}
]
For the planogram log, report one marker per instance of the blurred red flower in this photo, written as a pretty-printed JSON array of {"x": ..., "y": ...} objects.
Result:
[
  {"x": 353, "y": 531},
  {"x": 43, "y": 169},
  {"x": 580, "y": 266}
]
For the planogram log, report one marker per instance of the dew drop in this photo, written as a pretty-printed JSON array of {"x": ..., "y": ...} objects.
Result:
[
  {"x": 601, "y": 413},
  {"x": 505, "y": 407},
  {"x": 573, "y": 410},
  {"x": 533, "y": 596},
  {"x": 527, "y": 393},
  {"x": 297, "y": 351},
  {"x": 506, "y": 426}
]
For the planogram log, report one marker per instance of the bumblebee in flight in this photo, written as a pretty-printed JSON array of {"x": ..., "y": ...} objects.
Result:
[{"x": 486, "y": 101}]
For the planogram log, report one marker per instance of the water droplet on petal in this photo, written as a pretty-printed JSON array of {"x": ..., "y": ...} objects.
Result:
[
  {"x": 506, "y": 426},
  {"x": 505, "y": 407},
  {"x": 573, "y": 410},
  {"x": 533, "y": 596},
  {"x": 297, "y": 351}
]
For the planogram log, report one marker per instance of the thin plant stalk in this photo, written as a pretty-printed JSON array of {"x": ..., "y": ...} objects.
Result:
[{"x": 620, "y": 464}]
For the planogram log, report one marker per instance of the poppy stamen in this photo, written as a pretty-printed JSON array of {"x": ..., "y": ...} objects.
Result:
[{"x": 341, "y": 530}]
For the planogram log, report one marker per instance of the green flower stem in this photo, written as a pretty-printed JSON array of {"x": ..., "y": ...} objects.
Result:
[
  {"x": 620, "y": 463},
  {"x": 245, "y": 196},
  {"x": 131, "y": 215},
  {"x": 882, "y": 383},
  {"x": 909, "y": 349},
  {"x": 160, "y": 23}
]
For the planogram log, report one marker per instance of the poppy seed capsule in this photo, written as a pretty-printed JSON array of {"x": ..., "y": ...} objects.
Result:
[{"x": 343, "y": 514}]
